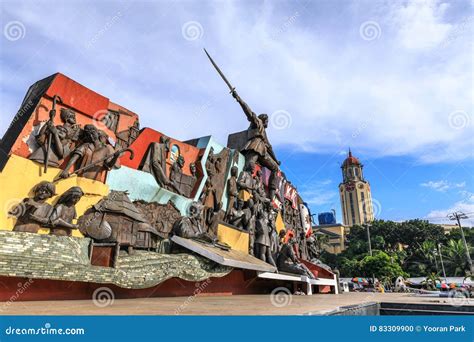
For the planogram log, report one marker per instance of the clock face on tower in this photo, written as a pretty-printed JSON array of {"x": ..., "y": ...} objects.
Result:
[{"x": 350, "y": 186}]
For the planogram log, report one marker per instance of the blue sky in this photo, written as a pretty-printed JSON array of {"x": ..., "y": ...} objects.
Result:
[{"x": 391, "y": 79}]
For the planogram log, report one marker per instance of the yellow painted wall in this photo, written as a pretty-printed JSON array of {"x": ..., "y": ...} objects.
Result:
[
  {"x": 20, "y": 175},
  {"x": 245, "y": 195},
  {"x": 235, "y": 238},
  {"x": 279, "y": 224}
]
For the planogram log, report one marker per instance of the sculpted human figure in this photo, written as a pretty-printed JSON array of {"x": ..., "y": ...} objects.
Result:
[
  {"x": 274, "y": 240},
  {"x": 232, "y": 191},
  {"x": 189, "y": 226},
  {"x": 259, "y": 193},
  {"x": 90, "y": 153},
  {"x": 287, "y": 261},
  {"x": 258, "y": 148},
  {"x": 155, "y": 161},
  {"x": 250, "y": 220},
  {"x": 210, "y": 201},
  {"x": 64, "y": 212},
  {"x": 34, "y": 213},
  {"x": 175, "y": 175},
  {"x": 193, "y": 170},
  {"x": 237, "y": 215},
  {"x": 63, "y": 138},
  {"x": 246, "y": 181},
  {"x": 262, "y": 238},
  {"x": 211, "y": 163}
]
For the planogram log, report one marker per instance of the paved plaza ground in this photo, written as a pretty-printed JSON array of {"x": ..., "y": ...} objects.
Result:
[{"x": 212, "y": 305}]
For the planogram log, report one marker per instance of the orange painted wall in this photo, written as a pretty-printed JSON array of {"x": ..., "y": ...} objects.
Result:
[
  {"x": 85, "y": 102},
  {"x": 127, "y": 117},
  {"x": 146, "y": 137}
]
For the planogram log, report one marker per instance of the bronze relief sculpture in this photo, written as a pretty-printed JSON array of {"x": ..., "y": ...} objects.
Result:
[
  {"x": 154, "y": 161},
  {"x": 34, "y": 213},
  {"x": 262, "y": 238},
  {"x": 59, "y": 140},
  {"x": 94, "y": 155},
  {"x": 64, "y": 212}
]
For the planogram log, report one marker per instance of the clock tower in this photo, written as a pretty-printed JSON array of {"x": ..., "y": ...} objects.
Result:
[{"x": 356, "y": 199}]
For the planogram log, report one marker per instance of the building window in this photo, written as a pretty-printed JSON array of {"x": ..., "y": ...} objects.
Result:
[
  {"x": 352, "y": 208},
  {"x": 362, "y": 196}
]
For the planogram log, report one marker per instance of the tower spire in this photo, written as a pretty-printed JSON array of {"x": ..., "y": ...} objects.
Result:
[{"x": 350, "y": 153}]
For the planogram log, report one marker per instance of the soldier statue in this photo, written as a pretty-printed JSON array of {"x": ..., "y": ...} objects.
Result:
[
  {"x": 262, "y": 238},
  {"x": 232, "y": 191},
  {"x": 246, "y": 181},
  {"x": 259, "y": 193},
  {"x": 258, "y": 148},
  {"x": 250, "y": 221}
]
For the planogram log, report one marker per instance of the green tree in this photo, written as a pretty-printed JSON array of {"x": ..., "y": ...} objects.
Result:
[
  {"x": 382, "y": 266},
  {"x": 320, "y": 241},
  {"x": 455, "y": 256}
]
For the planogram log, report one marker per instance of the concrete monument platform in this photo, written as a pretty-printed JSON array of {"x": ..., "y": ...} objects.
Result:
[{"x": 318, "y": 304}]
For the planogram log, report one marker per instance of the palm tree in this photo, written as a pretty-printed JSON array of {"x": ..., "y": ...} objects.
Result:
[
  {"x": 431, "y": 280},
  {"x": 427, "y": 250},
  {"x": 455, "y": 254}
]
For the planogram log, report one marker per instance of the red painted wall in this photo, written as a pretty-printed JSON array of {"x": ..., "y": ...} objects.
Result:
[{"x": 146, "y": 137}]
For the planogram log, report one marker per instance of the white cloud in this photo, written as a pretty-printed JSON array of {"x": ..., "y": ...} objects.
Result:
[
  {"x": 382, "y": 97},
  {"x": 443, "y": 185},
  {"x": 421, "y": 24},
  {"x": 320, "y": 193},
  {"x": 465, "y": 206}
]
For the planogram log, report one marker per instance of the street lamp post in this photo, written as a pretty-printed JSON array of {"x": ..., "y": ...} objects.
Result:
[
  {"x": 442, "y": 264},
  {"x": 367, "y": 225}
]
